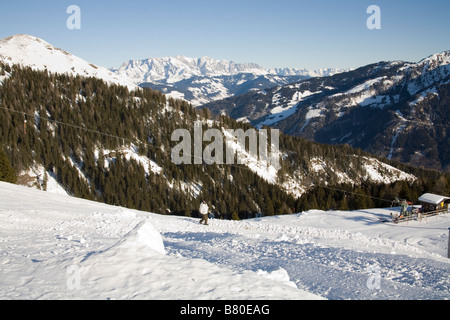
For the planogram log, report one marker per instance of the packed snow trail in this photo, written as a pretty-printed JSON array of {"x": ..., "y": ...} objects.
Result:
[
  {"x": 334, "y": 273},
  {"x": 336, "y": 264}
]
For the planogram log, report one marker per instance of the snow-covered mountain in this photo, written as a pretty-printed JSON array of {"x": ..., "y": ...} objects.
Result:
[
  {"x": 174, "y": 69},
  {"x": 202, "y": 80},
  {"x": 38, "y": 54},
  {"x": 60, "y": 247},
  {"x": 396, "y": 109},
  {"x": 322, "y": 72}
]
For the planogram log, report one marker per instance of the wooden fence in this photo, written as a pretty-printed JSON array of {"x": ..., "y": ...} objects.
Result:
[{"x": 415, "y": 215}]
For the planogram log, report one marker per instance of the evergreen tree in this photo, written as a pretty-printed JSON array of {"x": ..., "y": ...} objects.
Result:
[
  {"x": 7, "y": 173},
  {"x": 343, "y": 206}
]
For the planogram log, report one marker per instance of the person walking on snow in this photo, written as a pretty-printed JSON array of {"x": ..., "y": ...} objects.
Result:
[{"x": 204, "y": 212}]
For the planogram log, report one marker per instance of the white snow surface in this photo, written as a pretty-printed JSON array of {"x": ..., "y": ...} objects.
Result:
[
  {"x": 59, "y": 247},
  {"x": 38, "y": 54}
]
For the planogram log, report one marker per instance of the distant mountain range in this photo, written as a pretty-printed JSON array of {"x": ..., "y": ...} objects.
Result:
[
  {"x": 202, "y": 80},
  {"x": 396, "y": 109},
  {"x": 198, "y": 81}
]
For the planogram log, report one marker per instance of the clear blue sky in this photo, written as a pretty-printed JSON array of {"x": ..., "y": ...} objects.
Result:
[{"x": 283, "y": 33}]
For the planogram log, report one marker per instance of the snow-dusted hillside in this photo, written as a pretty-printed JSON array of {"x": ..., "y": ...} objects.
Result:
[
  {"x": 58, "y": 247},
  {"x": 395, "y": 109},
  {"x": 36, "y": 53},
  {"x": 378, "y": 86}
]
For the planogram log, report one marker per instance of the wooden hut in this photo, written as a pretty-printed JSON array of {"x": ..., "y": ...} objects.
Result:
[{"x": 434, "y": 203}]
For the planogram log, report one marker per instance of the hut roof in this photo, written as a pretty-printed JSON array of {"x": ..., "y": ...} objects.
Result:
[{"x": 432, "y": 198}]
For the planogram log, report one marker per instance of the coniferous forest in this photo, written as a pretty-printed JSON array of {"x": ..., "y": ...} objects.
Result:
[{"x": 81, "y": 131}]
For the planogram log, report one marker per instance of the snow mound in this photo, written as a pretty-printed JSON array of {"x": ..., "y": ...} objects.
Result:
[
  {"x": 144, "y": 237},
  {"x": 278, "y": 275}
]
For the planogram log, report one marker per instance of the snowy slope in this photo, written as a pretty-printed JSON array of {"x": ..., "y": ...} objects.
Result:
[
  {"x": 57, "y": 247},
  {"x": 30, "y": 51}
]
